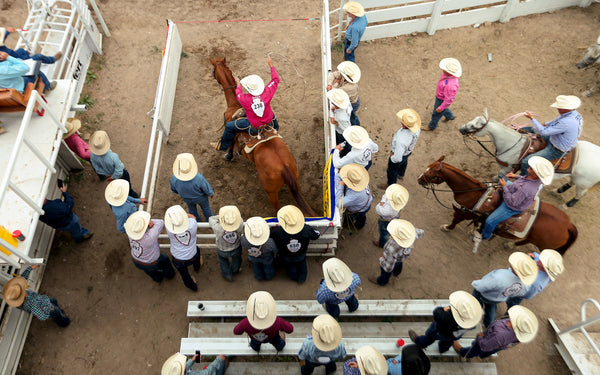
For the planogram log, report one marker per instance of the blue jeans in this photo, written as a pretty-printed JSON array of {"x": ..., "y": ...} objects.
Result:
[
  {"x": 435, "y": 117},
  {"x": 42, "y": 76},
  {"x": 296, "y": 268},
  {"x": 182, "y": 267},
  {"x": 431, "y": 335},
  {"x": 348, "y": 56},
  {"x": 475, "y": 351},
  {"x": 353, "y": 118},
  {"x": 276, "y": 341},
  {"x": 384, "y": 277},
  {"x": 489, "y": 308},
  {"x": 58, "y": 315},
  {"x": 159, "y": 270},
  {"x": 334, "y": 309},
  {"x": 395, "y": 170},
  {"x": 204, "y": 206},
  {"x": 309, "y": 366},
  {"x": 239, "y": 125},
  {"x": 383, "y": 232},
  {"x": 549, "y": 152},
  {"x": 75, "y": 228},
  {"x": 263, "y": 268},
  {"x": 24, "y": 55},
  {"x": 229, "y": 269},
  {"x": 359, "y": 219},
  {"x": 500, "y": 214}
]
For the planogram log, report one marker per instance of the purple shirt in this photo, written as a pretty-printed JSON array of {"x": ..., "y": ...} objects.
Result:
[
  {"x": 498, "y": 336},
  {"x": 521, "y": 193},
  {"x": 446, "y": 90}
]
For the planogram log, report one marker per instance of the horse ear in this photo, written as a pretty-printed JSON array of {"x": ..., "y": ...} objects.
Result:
[
  {"x": 224, "y": 60},
  {"x": 441, "y": 158},
  {"x": 485, "y": 114},
  {"x": 211, "y": 60}
]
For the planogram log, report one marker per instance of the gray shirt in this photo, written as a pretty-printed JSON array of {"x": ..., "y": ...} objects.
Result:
[{"x": 226, "y": 241}]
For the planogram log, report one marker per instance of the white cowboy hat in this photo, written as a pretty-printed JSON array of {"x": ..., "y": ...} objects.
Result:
[
  {"x": 403, "y": 232},
  {"x": 174, "y": 365},
  {"x": 256, "y": 230},
  {"x": 543, "y": 168},
  {"x": 116, "y": 192},
  {"x": 410, "y": 118},
  {"x": 291, "y": 219},
  {"x": 136, "y": 224},
  {"x": 254, "y": 84},
  {"x": 2, "y": 35},
  {"x": 350, "y": 71},
  {"x": 452, "y": 66},
  {"x": 176, "y": 219},
  {"x": 524, "y": 323},
  {"x": 357, "y": 136},
  {"x": 397, "y": 195},
  {"x": 72, "y": 125},
  {"x": 99, "y": 142},
  {"x": 185, "y": 167},
  {"x": 14, "y": 291},
  {"x": 566, "y": 102},
  {"x": 230, "y": 218},
  {"x": 326, "y": 332},
  {"x": 552, "y": 262},
  {"x": 465, "y": 308},
  {"x": 339, "y": 97},
  {"x": 261, "y": 310},
  {"x": 370, "y": 361},
  {"x": 355, "y": 176},
  {"x": 354, "y": 8},
  {"x": 337, "y": 274},
  {"x": 523, "y": 266}
]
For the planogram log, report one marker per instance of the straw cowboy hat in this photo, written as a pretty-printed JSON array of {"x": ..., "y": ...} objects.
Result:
[
  {"x": 136, "y": 224},
  {"x": 397, "y": 195},
  {"x": 174, "y": 365},
  {"x": 72, "y": 125},
  {"x": 116, "y": 192},
  {"x": 254, "y": 84},
  {"x": 552, "y": 262},
  {"x": 370, "y": 361},
  {"x": 230, "y": 218},
  {"x": 256, "y": 230},
  {"x": 465, "y": 308},
  {"x": 566, "y": 102},
  {"x": 339, "y": 98},
  {"x": 524, "y": 323},
  {"x": 403, "y": 232},
  {"x": 357, "y": 136},
  {"x": 355, "y": 176},
  {"x": 354, "y": 8},
  {"x": 542, "y": 168},
  {"x": 326, "y": 332},
  {"x": 350, "y": 71},
  {"x": 452, "y": 66},
  {"x": 99, "y": 142},
  {"x": 410, "y": 118},
  {"x": 14, "y": 291},
  {"x": 337, "y": 274},
  {"x": 185, "y": 167},
  {"x": 261, "y": 310},
  {"x": 523, "y": 266},
  {"x": 176, "y": 219},
  {"x": 291, "y": 219}
]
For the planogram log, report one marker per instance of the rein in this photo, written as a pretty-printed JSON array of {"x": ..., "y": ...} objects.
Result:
[{"x": 432, "y": 188}]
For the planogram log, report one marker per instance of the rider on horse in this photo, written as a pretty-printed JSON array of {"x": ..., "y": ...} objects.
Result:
[{"x": 560, "y": 133}]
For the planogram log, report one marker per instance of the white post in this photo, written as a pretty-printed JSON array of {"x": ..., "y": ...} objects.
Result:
[
  {"x": 100, "y": 18},
  {"x": 508, "y": 10},
  {"x": 436, "y": 13},
  {"x": 338, "y": 37}
]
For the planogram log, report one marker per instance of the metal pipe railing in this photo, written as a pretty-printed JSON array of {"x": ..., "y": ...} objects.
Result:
[{"x": 584, "y": 322}]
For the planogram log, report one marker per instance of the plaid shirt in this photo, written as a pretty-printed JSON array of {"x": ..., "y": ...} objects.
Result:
[
  {"x": 394, "y": 253},
  {"x": 351, "y": 370},
  {"x": 36, "y": 304},
  {"x": 326, "y": 295}
]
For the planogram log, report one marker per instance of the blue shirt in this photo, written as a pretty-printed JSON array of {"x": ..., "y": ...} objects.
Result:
[
  {"x": 395, "y": 369},
  {"x": 354, "y": 201},
  {"x": 58, "y": 214},
  {"x": 541, "y": 281},
  {"x": 500, "y": 284},
  {"x": 108, "y": 164},
  {"x": 123, "y": 212},
  {"x": 11, "y": 74},
  {"x": 325, "y": 295},
  {"x": 309, "y": 352},
  {"x": 355, "y": 31},
  {"x": 192, "y": 190},
  {"x": 215, "y": 367},
  {"x": 403, "y": 144},
  {"x": 563, "y": 130}
]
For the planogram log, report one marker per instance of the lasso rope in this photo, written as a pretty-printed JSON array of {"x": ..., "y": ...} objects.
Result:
[
  {"x": 297, "y": 72},
  {"x": 510, "y": 121}
]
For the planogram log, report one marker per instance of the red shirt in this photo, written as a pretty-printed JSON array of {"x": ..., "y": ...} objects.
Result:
[
  {"x": 265, "y": 334},
  {"x": 258, "y": 108}
]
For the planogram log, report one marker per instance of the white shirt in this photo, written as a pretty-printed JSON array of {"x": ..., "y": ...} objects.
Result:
[
  {"x": 359, "y": 156},
  {"x": 385, "y": 210},
  {"x": 183, "y": 245},
  {"x": 403, "y": 144},
  {"x": 342, "y": 117}
]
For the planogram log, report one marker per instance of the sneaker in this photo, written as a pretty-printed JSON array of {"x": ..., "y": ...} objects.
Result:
[
  {"x": 52, "y": 86},
  {"x": 88, "y": 235},
  {"x": 228, "y": 157},
  {"x": 58, "y": 55},
  {"x": 413, "y": 335},
  {"x": 427, "y": 129},
  {"x": 229, "y": 278},
  {"x": 376, "y": 243}
]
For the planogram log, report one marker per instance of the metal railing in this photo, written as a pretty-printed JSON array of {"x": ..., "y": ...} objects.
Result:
[{"x": 585, "y": 322}]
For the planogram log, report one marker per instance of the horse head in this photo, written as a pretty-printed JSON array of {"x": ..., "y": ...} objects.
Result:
[
  {"x": 591, "y": 55},
  {"x": 476, "y": 125},
  {"x": 433, "y": 174},
  {"x": 222, "y": 73}
]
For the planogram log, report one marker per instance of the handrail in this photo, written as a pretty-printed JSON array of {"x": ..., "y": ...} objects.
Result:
[{"x": 584, "y": 322}]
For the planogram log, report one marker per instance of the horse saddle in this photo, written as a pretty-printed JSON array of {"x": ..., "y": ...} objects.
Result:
[
  {"x": 564, "y": 164},
  {"x": 240, "y": 113},
  {"x": 248, "y": 142}
]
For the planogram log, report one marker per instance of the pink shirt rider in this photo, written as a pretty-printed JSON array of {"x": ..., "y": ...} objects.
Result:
[
  {"x": 246, "y": 101},
  {"x": 78, "y": 146},
  {"x": 446, "y": 90}
]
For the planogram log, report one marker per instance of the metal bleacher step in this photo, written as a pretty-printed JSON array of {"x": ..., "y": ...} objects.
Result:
[{"x": 577, "y": 352}]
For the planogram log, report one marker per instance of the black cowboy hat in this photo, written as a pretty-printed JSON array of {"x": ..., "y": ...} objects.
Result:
[{"x": 414, "y": 361}]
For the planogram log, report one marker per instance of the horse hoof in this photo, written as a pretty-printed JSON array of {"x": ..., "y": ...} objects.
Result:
[{"x": 445, "y": 228}]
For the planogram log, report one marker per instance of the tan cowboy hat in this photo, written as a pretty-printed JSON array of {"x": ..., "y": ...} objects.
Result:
[
  {"x": 256, "y": 230},
  {"x": 403, "y": 232},
  {"x": 552, "y": 262},
  {"x": 339, "y": 97},
  {"x": 354, "y": 8},
  {"x": 174, "y": 365},
  {"x": 465, "y": 308},
  {"x": 566, "y": 102},
  {"x": 185, "y": 167},
  {"x": 452, "y": 66},
  {"x": 355, "y": 176},
  {"x": 136, "y": 224},
  {"x": 543, "y": 168},
  {"x": 357, "y": 136},
  {"x": 230, "y": 218},
  {"x": 350, "y": 71},
  {"x": 261, "y": 310},
  {"x": 370, "y": 361},
  {"x": 176, "y": 219},
  {"x": 397, "y": 195},
  {"x": 291, "y": 219},
  {"x": 524, "y": 323},
  {"x": 326, "y": 332},
  {"x": 99, "y": 142},
  {"x": 116, "y": 192},
  {"x": 410, "y": 118},
  {"x": 523, "y": 266},
  {"x": 254, "y": 84},
  {"x": 72, "y": 125},
  {"x": 337, "y": 274},
  {"x": 14, "y": 291}
]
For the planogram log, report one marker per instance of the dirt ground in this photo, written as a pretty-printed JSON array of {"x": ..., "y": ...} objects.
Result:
[{"x": 125, "y": 323}]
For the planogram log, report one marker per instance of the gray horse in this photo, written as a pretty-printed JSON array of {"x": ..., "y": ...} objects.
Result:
[{"x": 592, "y": 55}]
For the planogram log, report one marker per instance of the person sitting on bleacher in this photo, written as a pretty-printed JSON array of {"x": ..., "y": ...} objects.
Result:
[
  {"x": 338, "y": 285},
  {"x": 12, "y": 74},
  {"x": 262, "y": 323},
  {"x": 177, "y": 365},
  {"x": 367, "y": 361},
  {"x": 323, "y": 347}
]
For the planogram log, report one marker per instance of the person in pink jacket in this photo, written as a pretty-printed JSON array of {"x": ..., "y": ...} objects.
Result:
[
  {"x": 74, "y": 141},
  {"x": 446, "y": 90}
]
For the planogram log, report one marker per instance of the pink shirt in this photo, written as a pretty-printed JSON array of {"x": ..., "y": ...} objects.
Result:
[
  {"x": 446, "y": 90},
  {"x": 258, "y": 108},
  {"x": 78, "y": 146}
]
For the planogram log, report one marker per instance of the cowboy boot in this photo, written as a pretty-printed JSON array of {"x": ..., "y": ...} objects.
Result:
[{"x": 229, "y": 155}]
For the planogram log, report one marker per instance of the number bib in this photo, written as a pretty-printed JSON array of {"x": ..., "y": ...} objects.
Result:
[
  {"x": 258, "y": 106},
  {"x": 294, "y": 246},
  {"x": 260, "y": 336},
  {"x": 230, "y": 237},
  {"x": 136, "y": 249},
  {"x": 254, "y": 252},
  {"x": 184, "y": 238}
]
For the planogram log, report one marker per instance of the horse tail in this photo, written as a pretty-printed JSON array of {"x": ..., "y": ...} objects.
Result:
[
  {"x": 290, "y": 180},
  {"x": 572, "y": 237}
]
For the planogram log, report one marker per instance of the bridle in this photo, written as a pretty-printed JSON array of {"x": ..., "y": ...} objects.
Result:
[{"x": 493, "y": 154}]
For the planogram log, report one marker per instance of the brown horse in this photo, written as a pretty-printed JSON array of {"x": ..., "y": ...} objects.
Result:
[
  {"x": 274, "y": 162},
  {"x": 552, "y": 229}
]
